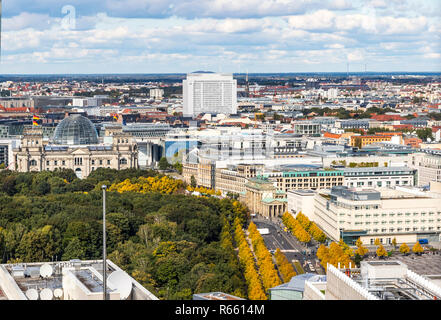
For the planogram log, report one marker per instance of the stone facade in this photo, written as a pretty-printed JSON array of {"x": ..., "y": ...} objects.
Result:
[
  {"x": 262, "y": 198},
  {"x": 34, "y": 154}
]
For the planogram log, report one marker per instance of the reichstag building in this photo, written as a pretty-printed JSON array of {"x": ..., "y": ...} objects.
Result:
[{"x": 76, "y": 145}]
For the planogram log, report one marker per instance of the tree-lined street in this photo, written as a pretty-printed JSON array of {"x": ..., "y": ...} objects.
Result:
[{"x": 288, "y": 244}]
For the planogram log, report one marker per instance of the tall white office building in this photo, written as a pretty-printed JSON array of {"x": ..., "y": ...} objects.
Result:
[{"x": 209, "y": 93}]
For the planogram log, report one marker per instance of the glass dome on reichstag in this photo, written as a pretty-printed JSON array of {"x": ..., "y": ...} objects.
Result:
[{"x": 75, "y": 130}]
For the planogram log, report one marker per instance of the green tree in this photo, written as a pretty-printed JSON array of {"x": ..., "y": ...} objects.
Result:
[
  {"x": 424, "y": 133},
  {"x": 74, "y": 250},
  {"x": 57, "y": 185},
  {"x": 193, "y": 182},
  {"x": 120, "y": 221},
  {"x": 40, "y": 245},
  {"x": 9, "y": 185},
  {"x": 163, "y": 164}
]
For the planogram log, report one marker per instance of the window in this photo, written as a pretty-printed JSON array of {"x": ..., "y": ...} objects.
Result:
[
  {"x": 63, "y": 162},
  {"x": 101, "y": 162},
  {"x": 33, "y": 162},
  {"x": 47, "y": 163},
  {"x": 123, "y": 161},
  {"x": 108, "y": 162},
  {"x": 56, "y": 163},
  {"x": 93, "y": 163}
]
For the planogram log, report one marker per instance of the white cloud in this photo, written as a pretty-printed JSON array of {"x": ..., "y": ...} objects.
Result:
[
  {"x": 356, "y": 55},
  {"x": 432, "y": 55}
]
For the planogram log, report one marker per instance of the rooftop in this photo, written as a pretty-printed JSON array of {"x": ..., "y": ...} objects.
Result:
[{"x": 75, "y": 279}]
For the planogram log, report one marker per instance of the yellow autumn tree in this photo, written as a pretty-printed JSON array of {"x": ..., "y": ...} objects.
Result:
[
  {"x": 334, "y": 255},
  {"x": 404, "y": 248},
  {"x": 268, "y": 273},
  {"x": 381, "y": 252},
  {"x": 417, "y": 248},
  {"x": 163, "y": 185},
  {"x": 296, "y": 228},
  {"x": 285, "y": 267},
  {"x": 361, "y": 250},
  {"x": 254, "y": 285},
  {"x": 346, "y": 248}
]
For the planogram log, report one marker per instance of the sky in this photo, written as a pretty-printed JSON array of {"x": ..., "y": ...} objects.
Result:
[{"x": 234, "y": 36}]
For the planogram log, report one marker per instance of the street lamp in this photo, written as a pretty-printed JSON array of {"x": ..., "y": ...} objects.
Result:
[{"x": 104, "y": 244}]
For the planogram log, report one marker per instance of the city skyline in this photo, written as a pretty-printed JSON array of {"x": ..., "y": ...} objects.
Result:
[{"x": 258, "y": 37}]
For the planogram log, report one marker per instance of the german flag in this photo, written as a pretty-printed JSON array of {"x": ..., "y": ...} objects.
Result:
[{"x": 35, "y": 119}]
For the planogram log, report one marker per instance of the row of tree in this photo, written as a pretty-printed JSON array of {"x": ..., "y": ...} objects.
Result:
[
  {"x": 255, "y": 287},
  {"x": 285, "y": 267},
  {"x": 162, "y": 184},
  {"x": 337, "y": 253},
  {"x": 204, "y": 191},
  {"x": 268, "y": 272},
  {"x": 296, "y": 228},
  {"x": 227, "y": 243},
  {"x": 311, "y": 227}
]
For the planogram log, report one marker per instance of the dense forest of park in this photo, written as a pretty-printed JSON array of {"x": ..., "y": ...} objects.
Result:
[{"x": 167, "y": 240}]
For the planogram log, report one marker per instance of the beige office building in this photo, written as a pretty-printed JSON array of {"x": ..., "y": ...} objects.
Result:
[{"x": 402, "y": 213}]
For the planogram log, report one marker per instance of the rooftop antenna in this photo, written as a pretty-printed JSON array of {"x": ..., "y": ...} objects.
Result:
[
  {"x": 46, "y": 270},
  {"x": 46, "y": 294},
  {"x": 58, "y": 293},
  {"x": 32, "y": 294},
  {"x": 121, "y": 282}
]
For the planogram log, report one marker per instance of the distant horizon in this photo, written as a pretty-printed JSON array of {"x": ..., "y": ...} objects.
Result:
[{"x": 234, "y": 73}]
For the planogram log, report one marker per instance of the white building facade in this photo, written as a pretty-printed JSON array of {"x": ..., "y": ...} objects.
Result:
[
  {"x": 385, "y": 213},
  {"x": 209, "y": 93}
]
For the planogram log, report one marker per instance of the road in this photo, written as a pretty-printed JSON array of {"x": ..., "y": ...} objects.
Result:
[{"x": 288, "y": 244}]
